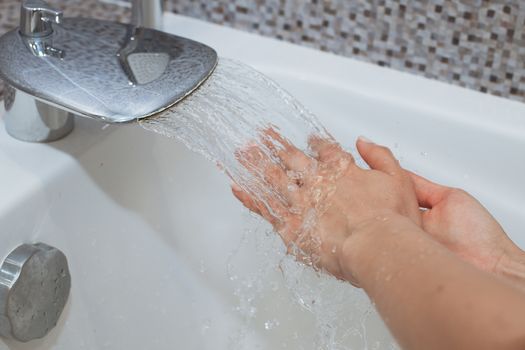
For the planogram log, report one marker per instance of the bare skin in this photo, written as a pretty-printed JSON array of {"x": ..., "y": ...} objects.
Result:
[
  {"x": 429, "y": 297},
  {"x": 373, "y": 235},
  {"x": 458, "y": 221},
  {"x": 386, "y": 188}
]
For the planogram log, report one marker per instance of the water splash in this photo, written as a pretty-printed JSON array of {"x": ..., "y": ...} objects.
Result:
[
  {"x": 230, "y": 116},
  {"x": 227, "y": 114}
]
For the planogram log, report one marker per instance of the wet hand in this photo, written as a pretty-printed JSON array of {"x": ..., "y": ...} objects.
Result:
[{"x": 315, "y": 200}]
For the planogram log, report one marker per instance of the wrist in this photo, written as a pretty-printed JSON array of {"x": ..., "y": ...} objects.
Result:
[{"x": 361, "y": 245}]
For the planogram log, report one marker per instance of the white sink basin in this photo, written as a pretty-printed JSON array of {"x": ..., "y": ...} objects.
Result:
[{"x": 149, "y": 228}]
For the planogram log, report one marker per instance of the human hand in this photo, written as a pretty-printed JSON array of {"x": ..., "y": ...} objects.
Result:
[
  {"x": 464, "y": 226},
  {"x": 317, "y": 200}
]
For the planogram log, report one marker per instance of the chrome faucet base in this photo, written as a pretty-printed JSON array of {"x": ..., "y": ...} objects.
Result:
[{"x": 28, "y": 119}]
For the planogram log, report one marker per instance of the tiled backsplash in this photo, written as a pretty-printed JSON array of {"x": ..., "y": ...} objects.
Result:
[{"x": 478, "y": 44}]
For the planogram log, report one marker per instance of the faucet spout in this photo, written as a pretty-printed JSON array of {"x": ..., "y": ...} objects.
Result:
[{"x": 97, "y": 69}]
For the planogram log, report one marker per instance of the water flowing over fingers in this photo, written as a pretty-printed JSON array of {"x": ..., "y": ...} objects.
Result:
[
  {"x": 258, "y": 135},
  {"x": 238, "y": 109}
]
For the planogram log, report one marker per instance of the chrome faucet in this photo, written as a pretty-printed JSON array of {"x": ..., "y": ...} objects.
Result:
[{"x": 56, "y": 68}]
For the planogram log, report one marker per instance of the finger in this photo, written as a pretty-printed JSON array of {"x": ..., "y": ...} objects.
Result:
[
  {"x": 428, "y": 193},
  {"x": 245, "y": 199},
  {"x": 274, "y": 134},
  {"x": 377, "y": 157},
  {"x": 291, "y": 157},
  {"x": 327, "y": 151},
  {"x": 272, "y": 211},
  {"x": 261, "y": 166},
  {"x": 273, "y": 185}
]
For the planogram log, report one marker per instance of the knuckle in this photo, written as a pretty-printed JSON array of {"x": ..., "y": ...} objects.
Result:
[
  {"x": 406, "y": 180},
  {"x": 458, "y": 192},
  {"x": 332, "y": 151}
]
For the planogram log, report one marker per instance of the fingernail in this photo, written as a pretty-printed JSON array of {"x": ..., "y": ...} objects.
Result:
[
  {"x": 365, "y": 139},
  {"x": 236, "y": 188}
]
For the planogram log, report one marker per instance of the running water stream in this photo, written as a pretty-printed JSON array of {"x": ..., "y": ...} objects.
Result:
[{"x": 228, "y": 113}]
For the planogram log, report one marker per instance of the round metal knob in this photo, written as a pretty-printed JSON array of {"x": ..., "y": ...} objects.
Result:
[{"x": 34, "y": 287}]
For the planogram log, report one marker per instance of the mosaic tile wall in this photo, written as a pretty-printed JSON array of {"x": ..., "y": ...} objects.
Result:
[{"x": 478, "y": 44}]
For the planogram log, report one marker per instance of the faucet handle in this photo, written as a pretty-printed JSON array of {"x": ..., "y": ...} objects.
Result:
[{"x": 37, "y": 17}]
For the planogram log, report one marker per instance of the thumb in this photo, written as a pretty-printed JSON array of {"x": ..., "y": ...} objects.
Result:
[
  {"x": 428, "y": 193},
  {"x": 376, "y": 156}
]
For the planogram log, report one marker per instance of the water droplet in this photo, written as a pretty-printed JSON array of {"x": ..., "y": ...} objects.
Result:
[
  {"x": 206, "y": 325},
  {"x": 274, "y": 286},
  {"x": 292, "y": 187},
  {"x": 251, "y": 311},
  {"x": 271, "y": 324},
  {"x": 202, "y": 267}
]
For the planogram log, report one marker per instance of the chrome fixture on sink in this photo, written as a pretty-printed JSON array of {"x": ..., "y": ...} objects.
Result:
[
  {"x": 34, "y": 288},
  {"x": 57, "y": 67}
]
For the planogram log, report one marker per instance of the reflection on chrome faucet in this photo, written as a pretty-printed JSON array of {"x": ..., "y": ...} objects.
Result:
[
  {"x": 139, "y": 58},
  {"x": 36, "y": 19}
]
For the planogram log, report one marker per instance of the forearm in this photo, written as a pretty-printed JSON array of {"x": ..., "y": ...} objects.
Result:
[{"x": 428, "y": 297}]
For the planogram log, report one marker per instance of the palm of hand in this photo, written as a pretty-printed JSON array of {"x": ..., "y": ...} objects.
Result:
[{"x": 464, "y": 226}]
